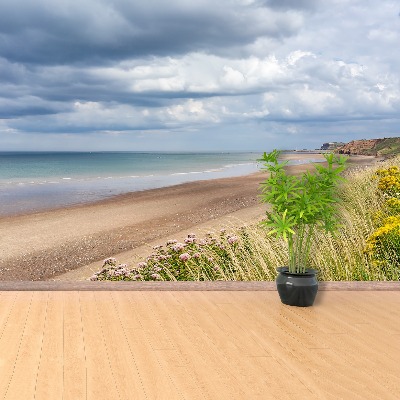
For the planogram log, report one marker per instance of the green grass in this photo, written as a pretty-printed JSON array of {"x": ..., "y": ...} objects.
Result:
[{"x": 388, "y": 147}]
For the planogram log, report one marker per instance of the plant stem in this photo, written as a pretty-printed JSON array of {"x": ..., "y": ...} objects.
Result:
[
  {"x": 299, "y": 249},
  {"x": 307, "y": 247},
  {"x": 291, "y": 255}
]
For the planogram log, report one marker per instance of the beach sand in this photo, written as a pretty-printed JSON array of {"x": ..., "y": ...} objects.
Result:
[{"x": 70, "y": 243}]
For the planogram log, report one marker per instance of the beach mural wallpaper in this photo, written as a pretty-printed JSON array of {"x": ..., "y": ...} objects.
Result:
[
  {"x": 199, "y": 199},
  {"x": 135, "y": 125}
]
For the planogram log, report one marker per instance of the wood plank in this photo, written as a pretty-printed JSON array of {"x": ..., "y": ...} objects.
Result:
[
  {"x": 101, "y": 382},
  {"x": 166, "y": 352},
  {"x": 74, "y": 349},
  {"x": 185, "y": 286},
  {"x": 29, "y": 350},
  {"x": 208, "y": 364},
  {"x": 50, "y": 376},
  {"x": 270, "y": 329},
  {"x": 379, "y": 361},
  {"x": 231, "y": 338},
  {"x": 147, "y": 344},
  {"x": 285, "y": 343},
  {"x": 352, "y": 369},
  {"x": 7, "y": 302},
  {"x": 11, "y": 338},
  {"x": 122, "y": 363}
]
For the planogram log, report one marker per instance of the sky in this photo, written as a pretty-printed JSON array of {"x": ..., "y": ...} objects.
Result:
[{"x": 197, "y": 75}]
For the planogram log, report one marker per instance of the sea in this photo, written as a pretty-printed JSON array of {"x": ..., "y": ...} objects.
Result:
[{"x": 36, "y": 181}]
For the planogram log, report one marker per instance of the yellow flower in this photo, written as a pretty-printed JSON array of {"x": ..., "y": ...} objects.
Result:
[
  {"x": 392, "y": 220},
  {"x": 393, "y": 202},
  {"x": 389, "y": 183},
  {"x": 391, "y": 227}
]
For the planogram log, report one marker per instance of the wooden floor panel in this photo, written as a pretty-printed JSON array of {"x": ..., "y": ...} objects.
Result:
[
  {"x": 50, "y": 383},
  {"x": 198, "y": 345}
]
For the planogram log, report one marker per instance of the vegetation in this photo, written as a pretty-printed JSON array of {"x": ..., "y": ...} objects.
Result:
[
  {"x": 388, "y": 147},
  {"x": 365, "y": 247},
  {"x": 301, "y": 204},
  {"x": 383, "y": 245}
]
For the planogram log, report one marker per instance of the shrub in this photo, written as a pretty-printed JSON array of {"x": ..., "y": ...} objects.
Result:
[
  {"x": 111, "y": 271},
  {"x": 383, "y": 245},
  {"x": 389, "y": 182}
]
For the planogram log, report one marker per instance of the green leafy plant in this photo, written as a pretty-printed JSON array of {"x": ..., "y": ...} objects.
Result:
[{"x": 301, "y": 204}]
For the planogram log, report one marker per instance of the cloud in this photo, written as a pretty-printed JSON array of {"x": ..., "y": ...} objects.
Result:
[
  {"x": 239, "y": 71},
  {"x": 98, "y": 31}
]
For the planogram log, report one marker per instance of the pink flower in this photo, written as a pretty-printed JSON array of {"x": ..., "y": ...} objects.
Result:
[
  {"x": 232, "y": 239},
  {"x": 184, "y": 256},
  {"x": 192, "y": 235},
  {"x": 178, "y": 247},
  {"x": 110, "y": 261},
  {"x": 172, "y": 241},
  {"x": 190, "y": 240},
  {"x": 196, "y": 255}
]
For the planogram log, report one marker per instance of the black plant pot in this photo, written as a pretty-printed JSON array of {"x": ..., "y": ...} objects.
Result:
[{"x": 297, "y": 289}]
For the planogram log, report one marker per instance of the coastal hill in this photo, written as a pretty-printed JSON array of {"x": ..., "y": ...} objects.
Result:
[{"x": 387, "y": 147}]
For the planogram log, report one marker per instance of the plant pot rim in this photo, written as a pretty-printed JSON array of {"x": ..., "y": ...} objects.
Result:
[{"x": 308, "y": 272}]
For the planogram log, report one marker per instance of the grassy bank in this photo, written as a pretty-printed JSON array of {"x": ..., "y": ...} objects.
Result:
[{"x": 248, "y": 253}]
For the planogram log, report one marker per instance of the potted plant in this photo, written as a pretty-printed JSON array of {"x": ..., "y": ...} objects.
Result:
[{"x": 300, "y": 206}]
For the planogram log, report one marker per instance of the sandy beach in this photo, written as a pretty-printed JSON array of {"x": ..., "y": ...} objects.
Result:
[{"x": 70, "y": 243}]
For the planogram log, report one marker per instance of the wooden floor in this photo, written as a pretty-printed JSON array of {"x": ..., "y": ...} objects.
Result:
[{"x": 198, "y": 345}]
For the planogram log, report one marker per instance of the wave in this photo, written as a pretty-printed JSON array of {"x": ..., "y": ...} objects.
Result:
[
  {"x": 186, "y": 173},
  {"x": 68, "y": 180}
]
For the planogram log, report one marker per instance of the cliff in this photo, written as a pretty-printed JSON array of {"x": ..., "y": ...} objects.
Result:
[{"x": 386, "y": 147}]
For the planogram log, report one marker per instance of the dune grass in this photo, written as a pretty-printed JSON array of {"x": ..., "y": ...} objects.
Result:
[{"x": 248, "y": 253}]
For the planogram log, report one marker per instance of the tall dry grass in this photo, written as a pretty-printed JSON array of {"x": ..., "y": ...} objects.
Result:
[
  {"x": 339, "y": 256},
  {"x": 248, "y": 253}
]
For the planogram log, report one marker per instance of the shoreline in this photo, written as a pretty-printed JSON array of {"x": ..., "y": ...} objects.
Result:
[
  {"x": 32, "y": 196},
  {"x": 38, "y": 192},
  {"x": 47, "y": 245}
]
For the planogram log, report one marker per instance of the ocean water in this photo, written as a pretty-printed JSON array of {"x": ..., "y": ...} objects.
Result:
[
  {"x": 31, "y": 182},
  {"x": 36, "y": 181}
]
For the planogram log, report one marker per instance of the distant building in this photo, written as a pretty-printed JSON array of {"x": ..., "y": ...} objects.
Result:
[{"x": 332, "y": 145}]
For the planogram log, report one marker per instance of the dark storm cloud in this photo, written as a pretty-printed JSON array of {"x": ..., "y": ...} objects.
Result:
[
  {"x": 94, "y": 67},
  {"x": 21, "y": 111},
  {"x": 291, "y": 4},
  {"x": 98, "y": 32},
  {"x": 42, "y": 128}
]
